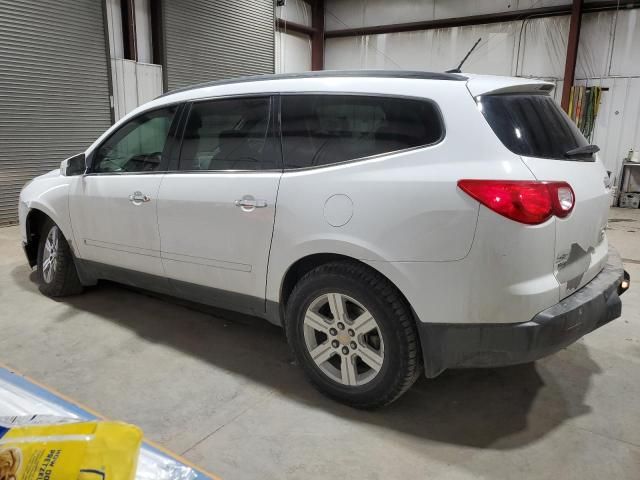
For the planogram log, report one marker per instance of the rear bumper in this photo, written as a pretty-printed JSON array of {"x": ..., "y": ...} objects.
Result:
[{"x": 489, "y": 345}]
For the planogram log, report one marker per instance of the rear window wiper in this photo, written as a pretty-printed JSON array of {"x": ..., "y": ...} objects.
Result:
[{"x": 586, "y": 152}]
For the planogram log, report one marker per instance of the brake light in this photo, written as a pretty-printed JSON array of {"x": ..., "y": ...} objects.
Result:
[{"x": 525, "y": 201}]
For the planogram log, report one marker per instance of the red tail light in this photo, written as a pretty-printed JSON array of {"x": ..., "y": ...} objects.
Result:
[{"x": 524, "y": 201}]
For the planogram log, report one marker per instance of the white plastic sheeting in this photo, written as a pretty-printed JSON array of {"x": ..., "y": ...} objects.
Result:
[
  {"x": 293, "y": 50},
  {"x": 360, "y": 13},
  {"x": 296, "y": 11},
  {"x": 617, "y": 128}
]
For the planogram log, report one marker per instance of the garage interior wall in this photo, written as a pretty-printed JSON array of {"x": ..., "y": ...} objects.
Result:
[
  {"x": 608, "y": 54},
  {"x": 293, "y": 49},
  {"x": 210, "y": 40},
  {"x": 53, "y": 88}
]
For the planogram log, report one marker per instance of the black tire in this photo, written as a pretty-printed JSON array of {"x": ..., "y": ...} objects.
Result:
[
  {"x": 63, "y": 279},
  {"x": 402, "y": 362}
]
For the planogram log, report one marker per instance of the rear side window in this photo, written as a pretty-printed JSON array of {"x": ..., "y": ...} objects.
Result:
[
  {"x": 326, "y": 129},
  {"x": 228, "y": 134},
  {"x": 532, "y": 125}
]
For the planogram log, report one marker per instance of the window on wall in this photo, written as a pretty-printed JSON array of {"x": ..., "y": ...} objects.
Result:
[
  {"x": 229, "y": 134},
  {"x": 138, "y": 146},
  {"x": 326, "y": 129},
  {"x": 127, "y": 12},
  {"x": 135, "y": 30}
]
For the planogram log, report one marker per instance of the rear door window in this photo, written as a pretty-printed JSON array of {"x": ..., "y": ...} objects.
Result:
[
  {"x": 228, "y": 134},
  {"x": 326, "y": 129},
  {"x": 532, "y": 125}
]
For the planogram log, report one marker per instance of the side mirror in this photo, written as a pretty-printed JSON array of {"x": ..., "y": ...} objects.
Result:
[{"x": 75, "y": 165}]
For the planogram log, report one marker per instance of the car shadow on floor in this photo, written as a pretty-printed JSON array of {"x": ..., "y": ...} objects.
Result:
[{"x": 499, "y": 408}]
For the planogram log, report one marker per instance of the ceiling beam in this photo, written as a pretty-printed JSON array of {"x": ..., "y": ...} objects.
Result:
[
  {"x": 512, "y": 15},
  {"x": 284, "y": 26}
]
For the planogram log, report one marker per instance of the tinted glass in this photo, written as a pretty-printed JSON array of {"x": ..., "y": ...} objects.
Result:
[
  {"x": 326, "y": 129},
  {"x": 531, "y": 125},
  {"x": 228, "y": 135},
  {"x": 137, "y": 146}
]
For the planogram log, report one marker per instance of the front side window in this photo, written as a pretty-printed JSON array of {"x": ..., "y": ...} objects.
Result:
[
  {"x": 325, "y": 129},
  {"x": 137, "y": 146},
  {"x": 228, "y": 134}
]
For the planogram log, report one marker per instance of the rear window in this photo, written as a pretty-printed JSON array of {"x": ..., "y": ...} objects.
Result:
[
  {"x": 326, "y": 129},
  {"x": 532, "y": 125}
]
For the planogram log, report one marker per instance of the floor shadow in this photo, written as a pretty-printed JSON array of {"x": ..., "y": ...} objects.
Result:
[{"x": 500, "y": 408}]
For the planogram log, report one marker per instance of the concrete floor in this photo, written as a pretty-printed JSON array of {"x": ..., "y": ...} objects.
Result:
[{"x": 224, "y": 393}]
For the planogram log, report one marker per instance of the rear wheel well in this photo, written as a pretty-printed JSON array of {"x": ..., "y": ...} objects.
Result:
[
  {"x": 304, "y": 265},
  {"x": 35, "y": 221}
]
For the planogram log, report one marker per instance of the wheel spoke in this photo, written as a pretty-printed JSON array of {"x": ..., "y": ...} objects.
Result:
[
  {"x": 370, "y": 357},
  {"x": 46, "y": 264},
  {"x": 348, "y": 371},
  {"x": 48, "y": 246},
  {"x": 336, "y": 304},
  {"x": 364, "y": 323},
  {"x": 316, "y": 322},
  {"x": 322, "y": 353}
]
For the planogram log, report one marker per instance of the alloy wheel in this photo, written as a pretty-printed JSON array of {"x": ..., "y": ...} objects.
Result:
[
  {"x": 343, "y": 339},
  {"x": 50, "y": 255}
]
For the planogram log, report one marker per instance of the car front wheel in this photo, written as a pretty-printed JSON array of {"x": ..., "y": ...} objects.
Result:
[
  {"x": 57, "y": 273},
  {"x": 353, "y": 334}
]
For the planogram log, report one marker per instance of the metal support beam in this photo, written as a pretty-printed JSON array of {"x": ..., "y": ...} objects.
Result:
[
  {"x": 317, "y": 38},
  {"x": 572, "y": 53},
  {"x": 510, "y": 16},
  {"x": 284, "y": 25}
]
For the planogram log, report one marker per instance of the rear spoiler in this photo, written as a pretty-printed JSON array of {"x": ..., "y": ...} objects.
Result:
[{"x": 490, "y": 84}]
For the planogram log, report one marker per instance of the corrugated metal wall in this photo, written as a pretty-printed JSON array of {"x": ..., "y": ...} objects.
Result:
[
  {"x": 54, "y": 96},
  {"x": 214, "y": 39}
]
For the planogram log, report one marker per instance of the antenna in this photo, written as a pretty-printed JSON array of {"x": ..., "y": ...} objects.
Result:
[{"x": 457, "y": 69}]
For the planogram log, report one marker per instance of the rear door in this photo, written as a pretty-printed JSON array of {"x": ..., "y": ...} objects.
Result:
[
  {"x": 216, "y": 210},
  {"x": 533, "y": 126}
]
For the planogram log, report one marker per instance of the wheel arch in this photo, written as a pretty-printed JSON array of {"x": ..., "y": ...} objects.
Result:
[
  {"x": 307, "y": 263},
  {"x": 34, "y": 221}
]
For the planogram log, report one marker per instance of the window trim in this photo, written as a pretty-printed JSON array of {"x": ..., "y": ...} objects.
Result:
[
  {"x": 273, "y": 132},
  {"x": 169, "y": 145},
  {"x": 437, "y": 108}
]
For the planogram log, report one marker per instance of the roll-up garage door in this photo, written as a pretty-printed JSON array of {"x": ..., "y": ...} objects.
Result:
[
  {"x": 54, "y": 91},
  {"x": 215, "y": 39}
]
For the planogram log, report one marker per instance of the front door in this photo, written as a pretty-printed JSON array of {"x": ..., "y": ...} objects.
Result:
[
  {"x": 216, "y": 213},
  {"x": 113, "y": 208}
]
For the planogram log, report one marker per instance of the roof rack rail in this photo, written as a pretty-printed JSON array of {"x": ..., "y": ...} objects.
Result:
[{"x": 409, "y": 74}]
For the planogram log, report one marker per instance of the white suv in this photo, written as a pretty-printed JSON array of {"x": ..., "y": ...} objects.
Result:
[{"x": 391, "y": 222}]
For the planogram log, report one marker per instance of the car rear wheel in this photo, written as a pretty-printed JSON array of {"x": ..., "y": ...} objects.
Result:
[
  {"x": 353, "y": 334},
  {"x": 57, "y": 273}
]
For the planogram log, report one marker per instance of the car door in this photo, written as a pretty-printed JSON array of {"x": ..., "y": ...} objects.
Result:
[
  {"x": 113, "y": 207},
  {"x": 216, "y": 211}
]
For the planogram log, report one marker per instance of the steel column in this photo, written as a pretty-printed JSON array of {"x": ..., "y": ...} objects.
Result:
[
  {"x": 317, "y": 37},
  {"x": 572, "y": 53}
]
